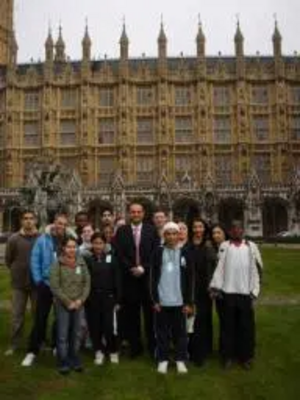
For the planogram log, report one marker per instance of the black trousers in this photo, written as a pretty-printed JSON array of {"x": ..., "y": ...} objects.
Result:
[
  {"x": 170, "y": 325},
  {"x": 43, "y": 307},
  {"x": 202, "y": 339},
  {"x": 220, "y": 312},
  {"x": 238, "y": 328},
  {"x": 99, "y": 310},
  {"x": 131, "y": 323}
]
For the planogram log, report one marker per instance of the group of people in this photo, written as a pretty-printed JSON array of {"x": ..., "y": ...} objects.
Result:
[{"x": 106, "y": 284}]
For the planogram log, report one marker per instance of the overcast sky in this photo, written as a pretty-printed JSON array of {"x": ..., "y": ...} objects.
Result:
[{"x": 32, "y": 18}]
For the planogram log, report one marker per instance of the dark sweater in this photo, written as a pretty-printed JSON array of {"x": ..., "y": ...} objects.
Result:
[
  {"x": 17, "y": 259},
  {"x": 105, "y": 274},
  {"x": 203, "y": 257}
]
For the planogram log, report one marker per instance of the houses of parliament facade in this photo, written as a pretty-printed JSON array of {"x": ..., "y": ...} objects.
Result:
[{"x": 215, "y": 135}]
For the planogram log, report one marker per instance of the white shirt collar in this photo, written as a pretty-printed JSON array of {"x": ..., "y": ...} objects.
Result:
[{"x": 139, "y": 226}]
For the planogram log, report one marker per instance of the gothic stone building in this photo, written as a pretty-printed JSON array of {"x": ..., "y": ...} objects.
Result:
[{"x": 219, "y": 135}]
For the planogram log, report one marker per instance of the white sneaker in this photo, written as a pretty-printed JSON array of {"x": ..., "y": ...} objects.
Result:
[
  {"x": 9, "y": 352},
  {"x": 99, "y": 358},
  {"x": 162, "y": 367},
  {"x": 28, "y": 360},
  {"x": 181, "y": 367},
  {"x": 54, "y": 352},
  {"x": 114, "y": 358}
]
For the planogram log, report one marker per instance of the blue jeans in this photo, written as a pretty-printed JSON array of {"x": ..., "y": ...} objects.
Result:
[{"x": 68, "y": 335}]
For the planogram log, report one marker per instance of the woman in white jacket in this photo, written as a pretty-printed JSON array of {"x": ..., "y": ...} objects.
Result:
[{"x": 237, "y": 281}]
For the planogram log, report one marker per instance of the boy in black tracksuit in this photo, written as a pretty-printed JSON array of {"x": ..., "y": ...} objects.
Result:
[
  {"x": 172, "y": 292},
  {"x": 104, "y": 299}
]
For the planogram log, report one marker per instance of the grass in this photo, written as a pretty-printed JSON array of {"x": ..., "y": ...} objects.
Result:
[
  {"x": 281, "y": 272},
  {"x": 275, "y": 376},
  {"x": 5, "y": 290}
]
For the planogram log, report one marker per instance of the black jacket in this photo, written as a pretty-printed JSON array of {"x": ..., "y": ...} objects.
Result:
[
  {"x": 126, "y": 251},
  {"x": 203, "y": 259},
  {"x": 105, "y": 275},
  {"x": 186, "y": 274}
]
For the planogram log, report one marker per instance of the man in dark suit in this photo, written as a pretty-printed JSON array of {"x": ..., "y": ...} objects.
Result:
[{"x": 135, "y": 243}]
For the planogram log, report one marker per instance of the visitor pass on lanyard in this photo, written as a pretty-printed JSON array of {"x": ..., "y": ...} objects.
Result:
[
  {"x": 170, "y": 266},
  {"x": 78, "y": 270}
]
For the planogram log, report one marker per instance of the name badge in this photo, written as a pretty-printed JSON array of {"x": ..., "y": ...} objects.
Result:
[
  {"x": 108, "y": 258},
  {"x": 183, "y": 261},
  {"x": 78, "y": 270}
]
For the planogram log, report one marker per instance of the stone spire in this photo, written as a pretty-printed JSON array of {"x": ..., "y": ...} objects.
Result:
[
  {"x": 162, "y": 42},
  {"x": 60, "y": 47},
  {"x": 124, "y": 44},
  {"x": 49, "y": 47},
  {"x": 86, "y": 45},
  {"x": 13, "y": 48},
  {"x": 6, "y": 31},
  {"x": 277, "y": 40},
  {"x": 200, "y": 40},
  {"x": 239, "y": 41}
]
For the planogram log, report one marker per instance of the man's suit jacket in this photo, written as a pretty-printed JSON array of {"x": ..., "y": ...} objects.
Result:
[{"x": 134, "y": 287}]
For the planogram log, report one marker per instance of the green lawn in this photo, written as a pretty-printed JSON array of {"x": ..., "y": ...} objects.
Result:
[
  {"x": 4, "y": 284},
  {"x": 274, "y": 377},
  {"x": 281, "y": 272}
]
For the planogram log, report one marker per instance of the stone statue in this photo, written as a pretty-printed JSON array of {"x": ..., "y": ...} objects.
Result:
[
  {"x": 209, "y": 205},
  {"x": 40, "y": 202},
  {"x": 43, "y": 182},
  {"x": 49, "y": 190}
]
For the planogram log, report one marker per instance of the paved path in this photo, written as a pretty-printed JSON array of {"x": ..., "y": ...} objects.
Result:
[
  {"x": 293, "y": 246},
  {"x": 279, "y": 301}
]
